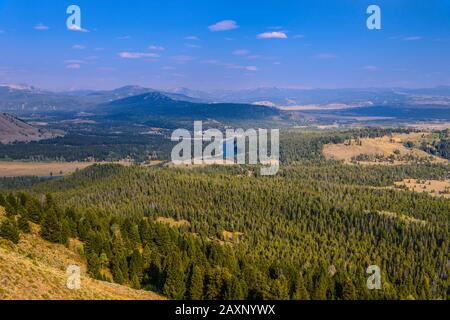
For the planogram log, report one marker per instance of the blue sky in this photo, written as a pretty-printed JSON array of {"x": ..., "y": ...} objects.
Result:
[{"x": 225, "y": 44}]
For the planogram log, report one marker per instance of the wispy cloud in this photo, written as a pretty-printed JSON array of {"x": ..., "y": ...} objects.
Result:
[
  {"x": 247, "y": 68},
  {"x": 210, "y": 61},
  {"x": 73, "y": 66},
  {"x": 191, "y": 38},
  {"x": 370, "y": 68},
  {"x": 74, "y": 61},
  {"x": 298, "y": 36},
  {"x": 182, "y": 58},
  {"x": 41, "y": 27},
  {"x": 272, "y": 35},
  {"x": 413, "y": 38},
  {"x": 241, "y": 52},
  {"x": 76, "y": 28},
  {"x": 251, "y": 68},
  {"x": 78, "y": 47},
  {"x": 137, "y": 55},
  {"x": 124, "y": 37},
  {"x": 192, "y": 46},
  {"x": 156, "y": 47},
  {"x": 223, "y": 25},
  {"x": 325, "y": 56}
]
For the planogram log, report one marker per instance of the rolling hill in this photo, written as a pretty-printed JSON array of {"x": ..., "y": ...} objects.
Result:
[
  {"x": 156, "y": 104},
  {"x": 13, "y": 129}
]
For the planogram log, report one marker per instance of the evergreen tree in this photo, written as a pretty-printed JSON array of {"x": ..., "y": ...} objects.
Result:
[
  {"x": 9, "y": 230},
  {"x": 300, "y": 292},
  {"x": 50, "y": 227},
  {"x": 23, "y": 224},
  {"x": 174, "y": 285},
  {"x": 349, "y": 291}
]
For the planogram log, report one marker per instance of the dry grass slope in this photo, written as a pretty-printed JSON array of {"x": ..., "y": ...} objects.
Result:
[
  {"x": 384, "y": 147},
  {"x": 13, "y": 129},
  {"x": 436, "y": 188},
  {"x": 36, "y": 270}
]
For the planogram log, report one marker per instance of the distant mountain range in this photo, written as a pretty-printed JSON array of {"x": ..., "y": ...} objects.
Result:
[
  {"x": 22, "y": 99},
  {"x": 133, "y": 102},
  {"x": 288, "y": 96}
]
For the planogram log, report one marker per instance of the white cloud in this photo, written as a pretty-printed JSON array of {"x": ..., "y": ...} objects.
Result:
[
  {"x": 192, "y": 46},
  {"x": 191, "y": 38},
  {"x": 223, "y": 26},
  {"x": 78, "y": 47},
  {"x": 137, "y": 55},
  {"x": 272, "y": 35},
  {"x": 370, "y": 68},
  {"x": 73, "y": 66},
  {"x": 247, "y": 68},
  {"x": 251, "y": 68},
  {"x": 73, "y": 61},
  {"x": 126, "y": 37},
  {"x": 412, "y": 38},
  {"x": 210, "y": 61},
  {"x": 156, "y": 47},
  {"x": 182, "y": 58},
  {"x": 41, "y": 27},
  {"x": 325, "y": 56},
  {"x": 241, "y": 52},
  {"x": 74, "y": 27}
]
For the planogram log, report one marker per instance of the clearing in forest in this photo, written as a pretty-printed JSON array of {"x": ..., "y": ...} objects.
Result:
[
  {"x": 437, "y": 188},
  {"x": 395, "y": 149}
]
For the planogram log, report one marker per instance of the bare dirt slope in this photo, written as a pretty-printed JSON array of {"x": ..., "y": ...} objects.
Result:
[{"x": 13, "y": 129}]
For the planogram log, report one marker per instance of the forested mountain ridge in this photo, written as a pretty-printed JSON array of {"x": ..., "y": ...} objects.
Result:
[
  {"x": 299, "y": 239},
  {"x": 161, "y": 105}
]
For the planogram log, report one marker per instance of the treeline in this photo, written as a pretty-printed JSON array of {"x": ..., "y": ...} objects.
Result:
[
  {"x": 374, "y": 175},
  {"x": 98, "y": 145},
  {"x": 296, "y": 233},
  {"x": 439, "y": 148}
]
